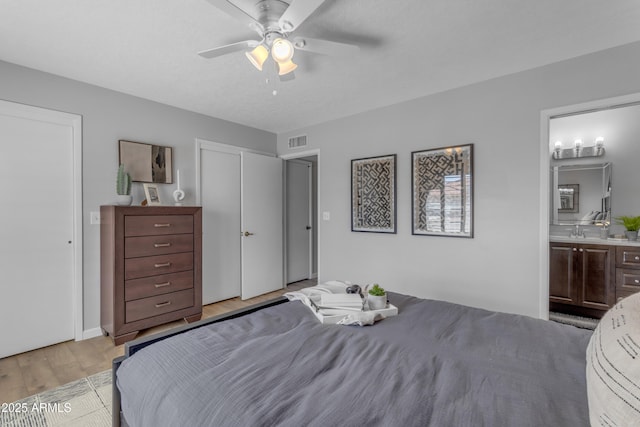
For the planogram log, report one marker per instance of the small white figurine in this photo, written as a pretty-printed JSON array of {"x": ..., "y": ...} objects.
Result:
[{"x": 178, "y": 195}]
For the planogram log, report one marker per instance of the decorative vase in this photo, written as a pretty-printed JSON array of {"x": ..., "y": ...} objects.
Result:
[
  {"x": 377, "y": 302},
  {"x": 124, "y": 199},
  {"x": 631, "y": 235}
]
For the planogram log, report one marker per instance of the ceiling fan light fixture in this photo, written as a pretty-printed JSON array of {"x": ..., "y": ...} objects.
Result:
[
  {"x": 257, "y": 56},
  {"x": 286, "y": 67},
  {"x": 282, "y": 50}
]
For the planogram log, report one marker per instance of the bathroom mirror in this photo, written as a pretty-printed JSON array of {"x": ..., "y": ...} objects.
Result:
[{"x": 581, "y": 194}]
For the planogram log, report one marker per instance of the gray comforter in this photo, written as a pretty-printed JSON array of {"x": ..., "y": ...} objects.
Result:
[{"x": 435, "y": 364}]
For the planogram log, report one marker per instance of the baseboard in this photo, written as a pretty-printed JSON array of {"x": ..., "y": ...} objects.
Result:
[{"x": 90, "y": 333}]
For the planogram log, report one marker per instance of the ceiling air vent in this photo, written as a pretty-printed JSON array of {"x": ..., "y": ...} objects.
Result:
[{"x": 297, "y": 141}]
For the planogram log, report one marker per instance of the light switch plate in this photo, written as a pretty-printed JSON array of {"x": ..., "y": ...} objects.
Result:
[
  {"x": 95, "y": 218},
  {"x": 326, "y": 216}
]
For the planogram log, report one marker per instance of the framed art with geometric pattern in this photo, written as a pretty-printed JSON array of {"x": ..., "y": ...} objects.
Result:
[
  {"x": 442, "y": 191},
  {"x": 373, "y": 194}
]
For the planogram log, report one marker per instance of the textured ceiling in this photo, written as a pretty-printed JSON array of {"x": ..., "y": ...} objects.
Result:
[{"x": 409, "y": 48}]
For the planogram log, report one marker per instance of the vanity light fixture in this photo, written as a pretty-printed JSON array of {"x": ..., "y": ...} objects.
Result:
[{"x": 578, "y": 150}]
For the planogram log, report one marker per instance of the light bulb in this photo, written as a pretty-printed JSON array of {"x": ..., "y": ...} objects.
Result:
[
  {"x": 558, "y": 145},
  {"x": 599, "y": 142},
  {"x": 282, "y": 50},
  {"x": 578, "y": 144}
]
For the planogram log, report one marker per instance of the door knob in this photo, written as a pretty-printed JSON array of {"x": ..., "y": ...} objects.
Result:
[
  {"x": 247, "y": 234},
  {"x": 308, "y": 227}
]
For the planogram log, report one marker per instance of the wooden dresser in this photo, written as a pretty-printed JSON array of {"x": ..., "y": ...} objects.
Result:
[{"x": 150, "y": 268}]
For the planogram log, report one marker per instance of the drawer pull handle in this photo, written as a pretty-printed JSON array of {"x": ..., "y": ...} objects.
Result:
[
  {"x": 636, "y": 258},
  {"x": 162, "y": 285},
  {"x": 162, "y": 225},
  {"x": 163, "y": 304},
  {"x": 161, "y": 245},
  {"x": 637, "y": 281},
  {"x": 164, "y": 264}
]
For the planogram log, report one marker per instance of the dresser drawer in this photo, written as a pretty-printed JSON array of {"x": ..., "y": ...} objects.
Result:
[
  {"x": 157, "y": 305},
  {"x": 157, "y": 245},
  {"x": 155, "y": 265},
  {"x": 153, "y": 225},
  {"x": 628, "y": 257},
  {"x": 157, "y": 285}
]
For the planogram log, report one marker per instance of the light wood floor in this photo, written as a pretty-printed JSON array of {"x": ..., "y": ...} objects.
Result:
[{"x": 35, "y": 371}]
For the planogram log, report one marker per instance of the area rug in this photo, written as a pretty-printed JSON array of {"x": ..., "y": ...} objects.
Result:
[
  {"x": 577, "y": 321},
  {"x": 82, "y": 403}
]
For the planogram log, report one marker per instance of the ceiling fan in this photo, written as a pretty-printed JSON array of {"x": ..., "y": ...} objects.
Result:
[{"x": 274, "y": 21}]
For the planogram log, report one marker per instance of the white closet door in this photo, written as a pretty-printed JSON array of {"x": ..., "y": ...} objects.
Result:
[
  {"x": 220, "y": 200},
  {"x": 36, "y": 234},
  {"x": 262, "y": 224}
]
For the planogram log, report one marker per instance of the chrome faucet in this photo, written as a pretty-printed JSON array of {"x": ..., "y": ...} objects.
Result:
[{"x": 576, "y": 232}]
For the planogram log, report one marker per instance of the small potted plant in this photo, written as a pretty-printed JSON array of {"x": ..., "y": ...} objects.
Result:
[
  {"x": 377, "y": 297},
  {"x": 632, "y": 225},
  {"x": 123, "y": 187}
]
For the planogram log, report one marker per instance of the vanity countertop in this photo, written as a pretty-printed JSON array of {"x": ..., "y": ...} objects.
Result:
[{"x": 594, "y": 241}]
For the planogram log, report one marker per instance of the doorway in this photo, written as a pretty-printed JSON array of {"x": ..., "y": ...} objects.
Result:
[
  {"x": 300, "y": 205},
  {"x": 301, "y": 216},
  {"x": 40, "y": 255},
  {"x": 613, "y": 132}
]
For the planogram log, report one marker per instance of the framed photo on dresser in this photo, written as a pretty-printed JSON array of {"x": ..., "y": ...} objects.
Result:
[{"x": 152, "y": 194}]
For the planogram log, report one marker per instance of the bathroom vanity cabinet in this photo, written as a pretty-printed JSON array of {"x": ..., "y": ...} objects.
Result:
[{"x": 582, "y": 278}]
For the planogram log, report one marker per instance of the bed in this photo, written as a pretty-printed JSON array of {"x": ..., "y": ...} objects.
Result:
[{"x": 434, "y": 364}]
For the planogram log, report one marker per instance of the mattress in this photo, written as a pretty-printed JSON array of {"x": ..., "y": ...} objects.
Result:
[{"x": 435, "y": 364}]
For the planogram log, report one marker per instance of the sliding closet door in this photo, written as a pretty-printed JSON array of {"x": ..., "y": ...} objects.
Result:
[
  {"x": 239, "y": 192},
  {"x": 220, "y": 200},
  {"x": 37, "y": 245},
  {"x": 262, "y": 224}
]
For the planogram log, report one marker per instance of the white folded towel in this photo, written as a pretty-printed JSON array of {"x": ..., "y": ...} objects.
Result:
[{"x": 362, "y": 318}]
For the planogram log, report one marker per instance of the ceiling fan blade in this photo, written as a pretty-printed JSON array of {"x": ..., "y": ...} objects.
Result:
[
  {"x": 297, "y": 12},
  {"x": 325, "y": 47},
  {"x": 242, "y": 16},
  {"x": 230, "y": 48}
]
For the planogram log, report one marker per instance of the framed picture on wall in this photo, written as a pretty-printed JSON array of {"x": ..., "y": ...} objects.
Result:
[
  {"x": 442, "y": 191},
  {"x": 147, "y": 162},
  {"x": 152, "y": 194},
  {"x": 373, "y": 194},
  {"x": 569, "y": 198}
]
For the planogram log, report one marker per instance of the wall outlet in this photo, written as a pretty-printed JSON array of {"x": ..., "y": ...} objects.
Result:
[
  {"x": 95, "y": 218},
  {"x": 326, "y": 216}
]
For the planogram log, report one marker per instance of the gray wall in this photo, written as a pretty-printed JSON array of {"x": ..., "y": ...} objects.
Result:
[
  {"x": 108, "y": 116},
  {"x": 499, "y": 268}
]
